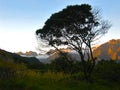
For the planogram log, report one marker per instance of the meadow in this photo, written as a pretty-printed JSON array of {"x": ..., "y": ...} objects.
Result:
[{"x": 19, "y": 76}]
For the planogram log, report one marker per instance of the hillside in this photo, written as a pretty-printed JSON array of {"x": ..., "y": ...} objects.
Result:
[
  {"x": 108, "y": 50},
  {"x": 29, "y": 61}
]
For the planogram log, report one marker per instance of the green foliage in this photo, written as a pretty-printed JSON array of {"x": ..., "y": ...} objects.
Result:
[
  {"x": 26, "y": 79},
  {"x": 62, "y": 65},
  {"x": 17, "y": 76},
  {"x": 108, "y": 70}
]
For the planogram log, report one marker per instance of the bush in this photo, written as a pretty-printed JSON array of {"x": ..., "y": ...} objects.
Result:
[
  {"x": 108, "y": 70},
  {"x": 62, "y": 65}
]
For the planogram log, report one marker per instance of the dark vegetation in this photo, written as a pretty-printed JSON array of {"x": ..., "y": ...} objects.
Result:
[
  {"x": 59, "y": 75},
  {"x": 30, "y": 62}
]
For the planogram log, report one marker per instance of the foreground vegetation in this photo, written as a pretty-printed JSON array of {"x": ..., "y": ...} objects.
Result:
[{"x": 18, "y": 76}]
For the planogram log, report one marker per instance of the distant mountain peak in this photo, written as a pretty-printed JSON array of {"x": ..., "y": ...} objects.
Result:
[
  {"x": 28, "y": 53},
  {"x": 55, "y": 51},
  {"x": 108, "y": 50},
  {"x": 114, "y": 41}
]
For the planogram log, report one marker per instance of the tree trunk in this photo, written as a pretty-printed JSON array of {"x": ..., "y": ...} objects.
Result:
[{"x": 84, "y": 65}]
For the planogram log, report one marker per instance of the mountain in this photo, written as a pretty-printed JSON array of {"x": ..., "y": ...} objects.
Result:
[
  {"x": 5, "y": 55},
  {"x": 56, "y": 54},
  {"x": 108, "y": 50},
  {"x": 70, "y": 53},
  {"x": 28, "y": 53}
]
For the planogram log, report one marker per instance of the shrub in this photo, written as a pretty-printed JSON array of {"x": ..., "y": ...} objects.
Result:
[
  {"x": 108, "y": 70},
  {"x": 62, "y": 65}
]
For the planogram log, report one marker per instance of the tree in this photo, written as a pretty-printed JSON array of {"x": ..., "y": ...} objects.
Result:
[{"x": 77, "y": 27}]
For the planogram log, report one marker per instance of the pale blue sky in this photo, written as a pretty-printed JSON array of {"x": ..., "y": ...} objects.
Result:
[{"x": 19, "y": 20}]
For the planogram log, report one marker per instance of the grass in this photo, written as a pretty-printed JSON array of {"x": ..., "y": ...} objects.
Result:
[
  {"x": 53, "y": 81},
  {"x": 26, "y": 79}
]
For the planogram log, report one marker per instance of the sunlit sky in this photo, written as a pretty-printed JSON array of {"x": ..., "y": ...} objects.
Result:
[{"x": 19, "y": 19}]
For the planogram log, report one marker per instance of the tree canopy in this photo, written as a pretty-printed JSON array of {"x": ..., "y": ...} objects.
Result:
[
  {"x": 76, "y": 23},
  {"x": 76, "y": 26}
]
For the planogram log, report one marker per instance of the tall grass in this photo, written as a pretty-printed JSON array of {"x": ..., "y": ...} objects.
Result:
[{"x": 18, "y": 77}]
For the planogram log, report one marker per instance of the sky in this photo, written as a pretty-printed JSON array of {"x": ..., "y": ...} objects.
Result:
[{"x": 19, "y": 19}]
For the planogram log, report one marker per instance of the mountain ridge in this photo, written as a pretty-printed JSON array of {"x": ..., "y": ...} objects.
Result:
[
  {"x": 5, "y": 55},
  {"x": 108, "y": 50},
  {"x": 27, "y": 53}
]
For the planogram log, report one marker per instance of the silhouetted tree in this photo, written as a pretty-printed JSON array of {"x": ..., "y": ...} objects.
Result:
[{"x": 77, "y": 27}]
